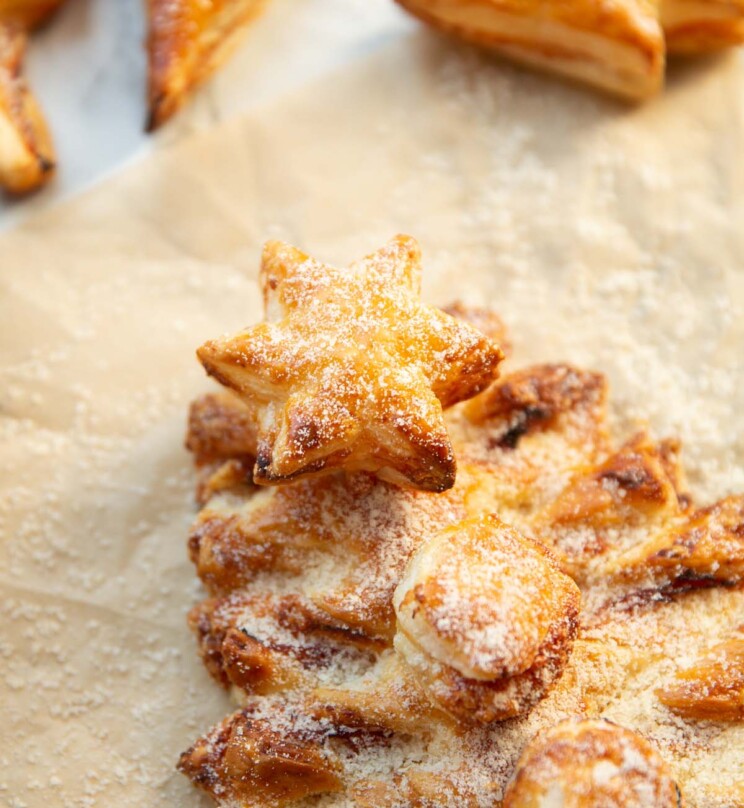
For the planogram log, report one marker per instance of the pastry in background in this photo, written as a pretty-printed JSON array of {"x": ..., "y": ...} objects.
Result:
[
  {"x": 618, "y": 46},
  {"x": 28, "y": 13},
  {"x": 187, "y": 41},
  {"x": 26, "y": 151}
]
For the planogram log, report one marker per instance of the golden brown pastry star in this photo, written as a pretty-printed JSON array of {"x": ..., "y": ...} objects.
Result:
[{"x": 351, "y": 370}]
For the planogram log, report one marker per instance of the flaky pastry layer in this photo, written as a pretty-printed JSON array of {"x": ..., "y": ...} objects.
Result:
[{"x": 617, "y": 46}]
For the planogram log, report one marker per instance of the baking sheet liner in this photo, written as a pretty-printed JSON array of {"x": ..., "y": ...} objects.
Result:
[{"x": 609, "y": 236}]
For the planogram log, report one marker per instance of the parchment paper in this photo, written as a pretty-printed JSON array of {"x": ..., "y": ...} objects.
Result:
[{"x": 608, "y": 236}]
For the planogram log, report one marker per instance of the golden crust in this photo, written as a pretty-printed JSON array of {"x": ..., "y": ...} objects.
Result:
[
  {"x": 235, "y": 476},
  {"x": 264, "y": 644},
  {"x": 248, "y": 758},
  {"x": 370, "y": 528},
  {"x": 351, "y": 370},
  {"x": 713, "y": 688},
  {"x": 624, "y": 653},
  {"x": 524, "y": 437},
  {"x": 220, "y": 427},
  {"x": 630, "y": 21},
  {"x": 702, "y": 26},
  {"x": 617, "y": 46},
  {"x": 587, "y": 764},
  {"x": 390, "y": 700},
  {"x": 632, "y": 485},
  {"x": 705, "y": 36},
  {"x": 419, "y": 788},
  {"x": 187, "y": 41},
  {"x": 636, "y": 488},
  {"x": 707, "y": 547},
  {"x": 532, "y": 399},
  {"x": 28, "y": 13},
  {"x": 230, "y": 550},
  {"x": 26, "y": 151}
]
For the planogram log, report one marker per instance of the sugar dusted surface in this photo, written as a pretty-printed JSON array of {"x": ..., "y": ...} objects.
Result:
[
  {"x": 483, "y": 611},
  {"x": 624, "y": 651},
  {"x": 351, "y": 369},
  {"x": 609, "y": 238}
]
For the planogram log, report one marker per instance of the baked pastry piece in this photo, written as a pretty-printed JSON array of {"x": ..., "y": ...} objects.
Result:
[
  {"x": 187, "y": 41},
  {"x": 457, "y": 591},
  {"x": 618, "y": 46},
  {"x": 26, "y": 151},
  {"x": 396, "y": 647},
  {"x": 586, "y": 764},
  {"x": 351, "y": 370}
]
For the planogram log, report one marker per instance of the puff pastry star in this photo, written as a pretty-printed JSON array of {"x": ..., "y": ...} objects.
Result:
[{"x": 351, "y": 370}]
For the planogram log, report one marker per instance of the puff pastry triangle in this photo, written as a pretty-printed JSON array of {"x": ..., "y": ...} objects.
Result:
[
  {"x": 617, "y": 45},
  {"x": 187, "y": 41}
]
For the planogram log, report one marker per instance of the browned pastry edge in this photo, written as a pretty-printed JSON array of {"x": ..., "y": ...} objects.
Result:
[
  {"x": 186, "y": 42},
  {"x": 28, "y": 13},
  {"x": 27, "y": 159},
  {"x": 702, "y": 26},
  {"x": 246, "y": 755},
  {"x": 220, "y": 426},
  {"x": 711, "y": 689},
  {"x": 642, "y": 38},
  {"x": 235, "y": 657},
  {"x": 350, "y": 369},
  {"x": 446, "y": 611},
  {"x": 484, "y": 320},
  {"x": 591, "y": 763},
  {"x": 704, "y": 36}
]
